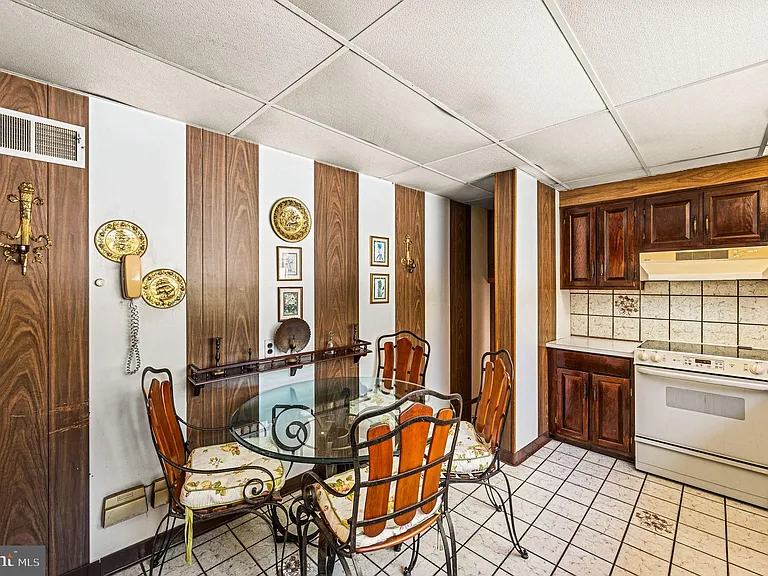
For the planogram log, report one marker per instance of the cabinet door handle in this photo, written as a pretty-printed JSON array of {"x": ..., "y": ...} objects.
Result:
[
  {"x": 694, "y": 225},
  {"x": 586, "y": 395},
  {"x": 593, "y": 269},
  {"x": 602, "y": 268},
  {"x": 594, "y": 394},
  {"x": 706, "y": 225}
]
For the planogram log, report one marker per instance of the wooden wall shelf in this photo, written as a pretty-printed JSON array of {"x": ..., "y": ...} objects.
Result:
[{"x": 199, "y": 377}]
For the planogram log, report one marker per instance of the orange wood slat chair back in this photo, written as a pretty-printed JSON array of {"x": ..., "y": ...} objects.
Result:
[{"x": 402, "y": 356}]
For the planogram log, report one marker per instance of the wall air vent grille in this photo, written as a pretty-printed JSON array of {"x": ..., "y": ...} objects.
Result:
[
  {"x": 702, "y": 255},
  {"x": 41, "y": 139}
]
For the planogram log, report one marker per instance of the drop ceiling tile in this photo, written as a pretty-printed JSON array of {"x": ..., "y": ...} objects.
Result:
[
  {"x": 356, "y": 97},
  {"x": 477, "y": 163},
  {"x": 505, "y": 66},
  {"x": 720, "y": 115},
  {"x": 484, "y": 203},
  {"x": 643, "y": 47},
  {"x": 347, "y": 17},
  {"x": 423, "y": 179},
  {"x": 706, "y": 161},
  {"x": 488, "y": 183},
  {"x": 465, "y": 193},
  {"x": 31, "y": 44},
  {"x": 588, "y": 146},
  {"x": 287, "y": 132},
  {"x": 605, "y": 178},
  {"x": 257, "y": 46}
]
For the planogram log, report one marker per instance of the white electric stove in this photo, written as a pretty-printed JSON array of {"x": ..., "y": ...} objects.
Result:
[{"x": 701, "y": 416}]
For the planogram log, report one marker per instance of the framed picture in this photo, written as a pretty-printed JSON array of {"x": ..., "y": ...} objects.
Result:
[
  {"x": 379, "y": 251},
  {"x": 379, "y": 288},
  {"x": 290, "y": 303},
  {"x": 288, "y": 263}
]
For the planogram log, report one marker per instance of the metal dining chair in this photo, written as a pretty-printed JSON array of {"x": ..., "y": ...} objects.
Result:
[
  {"x": 401, "y": 359},
  {"x": 394, "y": 491},
  {"x": 478, "y": 448},
  {"x": 209, "y": 481}
]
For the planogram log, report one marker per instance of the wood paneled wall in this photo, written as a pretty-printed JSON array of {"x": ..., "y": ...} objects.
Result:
[
  {"x": 504, "y": 202},
  {"x": 222, "y": 270},
  {"x": 461, "y": 303},
  {"x": 44, "y": 486},
  {"x": 337, "y": 299},
  {"x": 409, "y": 288},
  {"x": 547, "y": 293}
]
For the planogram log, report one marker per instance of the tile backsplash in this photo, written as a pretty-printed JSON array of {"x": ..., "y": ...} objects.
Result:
[{"x": 724, "y": 312}]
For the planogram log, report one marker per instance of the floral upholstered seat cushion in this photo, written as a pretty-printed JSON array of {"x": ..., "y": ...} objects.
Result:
[
  {"x": 473, "y": 455},
  {"x": 225, "y": 488},
  {"x": 337, "y": 510}
]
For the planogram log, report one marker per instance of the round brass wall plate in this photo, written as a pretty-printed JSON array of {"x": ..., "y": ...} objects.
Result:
[
  {"x": 290, "y": 219},
  {"x": 163, "y": 288},
  {"x": 118, "y": 238}
]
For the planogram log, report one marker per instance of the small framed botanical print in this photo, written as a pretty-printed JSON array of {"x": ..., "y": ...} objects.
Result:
[
  {"x": 379, "y": 288},
  {"x": 290, "y": 303},
  {"x": 379, "y": 251},
  {"x": 288, "y": 263}
]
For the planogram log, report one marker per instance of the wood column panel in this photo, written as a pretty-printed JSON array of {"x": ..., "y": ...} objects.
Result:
[
  {"x": 461, "y": 304},
  {"x": 409, "y": 288},
  {"x": 337, "y": 299},
  {"x": 504, "y": 202},
  {"x": 547, "y": 292}
]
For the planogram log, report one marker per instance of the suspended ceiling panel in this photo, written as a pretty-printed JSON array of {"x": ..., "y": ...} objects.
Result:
[
  {"x": 487, "y": 183},
  {"x": 589, "y": 146},
  {"x": 720, "y": 115},
  {"x": 465, "y": 193},
  {"x": 643, "y": 47},
  {"x": 356, "y": 97},
  {"x": 502, "y": 64},
  {"x": 32, "y": 43},
  {"x": 614, "y": 177},
  {"x": 423, "y": 179},
  {"x": 477, "y": 163},
  {"x": 285, "y": 131},
  {"x": 257, "y": 46},
  {"x": 708, "y": 161},
  {"x": 347, "y": 17}
]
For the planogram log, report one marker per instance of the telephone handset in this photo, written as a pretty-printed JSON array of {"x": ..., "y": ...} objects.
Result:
[{"x": 131, "y": 284}]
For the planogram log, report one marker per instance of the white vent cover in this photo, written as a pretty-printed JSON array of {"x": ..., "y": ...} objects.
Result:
[{"x": 41, "y": 139}]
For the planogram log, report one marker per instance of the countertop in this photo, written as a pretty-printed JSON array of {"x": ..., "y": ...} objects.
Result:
[{"x": 604, "y": 346}]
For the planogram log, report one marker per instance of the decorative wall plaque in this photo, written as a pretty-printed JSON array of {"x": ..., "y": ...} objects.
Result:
[
  {"x": 163, "y": 288},
  {"x": 118, "y": 238},
  {"x": 290, "y": 219}
]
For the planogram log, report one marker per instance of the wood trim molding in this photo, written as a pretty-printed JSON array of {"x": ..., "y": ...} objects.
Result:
[
  {"x": 409, "y": 288},
  {"x": 527, "y": 451},
  {"x": 547, "y": 292},
  {"x": 461, "y": 303},
  {"x": 741, "y": 171}
]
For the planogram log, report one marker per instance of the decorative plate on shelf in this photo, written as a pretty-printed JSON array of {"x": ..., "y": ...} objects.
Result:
[
  {"x": 118, "y": 238},
  {"x": 163, "y": 288},
  {"x": 290, "y": 219}
]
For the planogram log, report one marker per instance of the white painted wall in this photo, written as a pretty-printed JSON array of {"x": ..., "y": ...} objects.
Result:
[
  {"x": 376, "y": 217},
  {"x": 563, "y": 296},
  {"x": 481, "y": 292},
  {"x": 437, "y": 288},
  {"x": 526, "y": 310},
  {"x": 137, "y": 172}
]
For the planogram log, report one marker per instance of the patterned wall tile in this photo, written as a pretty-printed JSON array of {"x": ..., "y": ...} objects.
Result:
[
  {"x": 685, "y": 288},
  {"x": 601, "y": 304},
  {"x": 752, "y": 335},
  {"x": 720, "y": 309},
  {"x": 753, "y": 310},
  {"x": 627, "y": 305},
  {"x": 626, "y": 328},
  {"x": 654, "y": 329},
  {"x": 719, "y": 333},
  {"x": 720, "y": 288},
  {"x": 685, "y": 308},
  {"x": 654, "y": 306},
  {"x": 656, "y": 288},
  {"x": 753, "y": 288},
  {"x": 601, "y": 326},
  {"x": 684, "y": 331},
  {"x": 579, "y": 303},
  {"x": 579, "y": 324}
]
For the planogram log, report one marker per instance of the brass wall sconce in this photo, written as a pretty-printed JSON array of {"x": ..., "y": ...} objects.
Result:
[
  {"x": 409, "y": 263},
  {"x": 18, "y": 253}
]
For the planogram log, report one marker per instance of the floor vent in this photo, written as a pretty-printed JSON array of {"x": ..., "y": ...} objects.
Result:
[{"x": 41, "y": 139}]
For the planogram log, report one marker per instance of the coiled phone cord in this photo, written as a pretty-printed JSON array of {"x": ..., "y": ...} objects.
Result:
[{"x": 133, "y": 363}]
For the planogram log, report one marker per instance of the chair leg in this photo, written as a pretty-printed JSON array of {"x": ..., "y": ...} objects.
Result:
[
  {"x": 159, "y": 552},
  {"x": 448, "y": 549},
  {"x": 414, "y": 556},
  {"x": 347, "y": 570},
  {"x": 279, "y": 559},
  {"x": 452, "y": 535},
  {"x": 510, "y": 518},
  {"x": 491, "y": 495}
]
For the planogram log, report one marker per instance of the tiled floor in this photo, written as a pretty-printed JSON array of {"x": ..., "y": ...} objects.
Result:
[{"x": 578, "y": 513}]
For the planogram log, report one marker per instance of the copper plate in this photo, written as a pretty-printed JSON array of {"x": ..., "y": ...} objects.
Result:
[
  {"x": 290, "y": 219},
  {"x": 118, "y": 238},
  {"x": 163, "y": 288},
  {"x": 294, "y": 329}
]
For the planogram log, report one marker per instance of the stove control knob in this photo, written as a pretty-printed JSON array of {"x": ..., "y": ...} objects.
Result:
[
  {"x": 656, "y": 357},
  {"x": 757, "y": 368},
  {"x": 642, "y": 355}
]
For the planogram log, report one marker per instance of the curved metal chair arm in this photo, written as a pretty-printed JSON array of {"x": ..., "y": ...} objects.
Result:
[
  {"x": 310, "y": 478},
  {"x": 218, "y": 471}
]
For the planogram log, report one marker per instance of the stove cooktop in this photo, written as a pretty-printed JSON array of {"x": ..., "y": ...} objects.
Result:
[{"x": 738, "y": 352}]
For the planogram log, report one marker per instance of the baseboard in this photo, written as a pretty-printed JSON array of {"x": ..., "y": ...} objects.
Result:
[{"x": 524, "y": 453}]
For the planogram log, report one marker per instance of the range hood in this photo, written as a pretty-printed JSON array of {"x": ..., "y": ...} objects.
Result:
[{"x": 749, "y": 263}]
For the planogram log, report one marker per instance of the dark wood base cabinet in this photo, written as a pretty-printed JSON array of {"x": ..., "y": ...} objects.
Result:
[{"x": 591, "y": 401}]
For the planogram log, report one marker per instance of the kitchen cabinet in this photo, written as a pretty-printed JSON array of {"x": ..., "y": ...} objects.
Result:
[
  {"x": 578, "y": 237},
  {"x": 591, "y": 401},
  {"x": 671, "y": 221},
  {"x": 736, "y": 215}
]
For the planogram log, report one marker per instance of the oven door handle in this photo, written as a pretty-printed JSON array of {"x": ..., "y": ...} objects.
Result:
[{"x": 716, "y": 380}]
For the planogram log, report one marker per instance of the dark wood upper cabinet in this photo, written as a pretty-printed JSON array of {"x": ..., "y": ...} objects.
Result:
[
  {"x": 736, "y": 215},
  {"x": 610, "y": 413},
  {"x": 616, "y": 246},
  {"x": 572, "y": 409},
  {"x": 578, "y": 247},
  {"x": 672, "y": 221}
]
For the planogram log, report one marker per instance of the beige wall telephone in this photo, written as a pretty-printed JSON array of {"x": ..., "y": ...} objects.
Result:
[{"x": 131, "y": 284}]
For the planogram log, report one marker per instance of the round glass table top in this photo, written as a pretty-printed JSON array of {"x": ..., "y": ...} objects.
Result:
[{"x": 310, "y": 421}]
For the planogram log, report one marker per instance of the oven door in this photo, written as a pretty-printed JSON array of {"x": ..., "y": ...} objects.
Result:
[{"x": 712, "y": 414}]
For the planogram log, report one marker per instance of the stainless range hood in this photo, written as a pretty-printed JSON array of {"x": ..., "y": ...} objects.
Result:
[{"x": 716, "y": 264}]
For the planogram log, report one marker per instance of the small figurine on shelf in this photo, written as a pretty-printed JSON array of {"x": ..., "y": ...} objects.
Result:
[{"x": 330, "y": 345}]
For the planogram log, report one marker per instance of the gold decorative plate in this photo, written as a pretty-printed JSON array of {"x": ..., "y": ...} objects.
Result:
[
  {"x": 118, "y": 238},
  {"x": 290, "y": 219},
  {"x": 163, "y": 288}
]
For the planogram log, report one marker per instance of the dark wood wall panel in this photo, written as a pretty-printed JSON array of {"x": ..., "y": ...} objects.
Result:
[
  {"x": 68, "y": 487},
  {"x": 504, "y": 274},
  {"x": 409, "y": 288},
  {"x": 24, "y": 346},
  {"x": 337, "y": 299},
  {"x": 461, "y": 303},
  {"x": 547, "y": 293}
]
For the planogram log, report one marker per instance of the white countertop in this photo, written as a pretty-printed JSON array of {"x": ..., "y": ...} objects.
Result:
[{"x": 605, "y": 346}]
